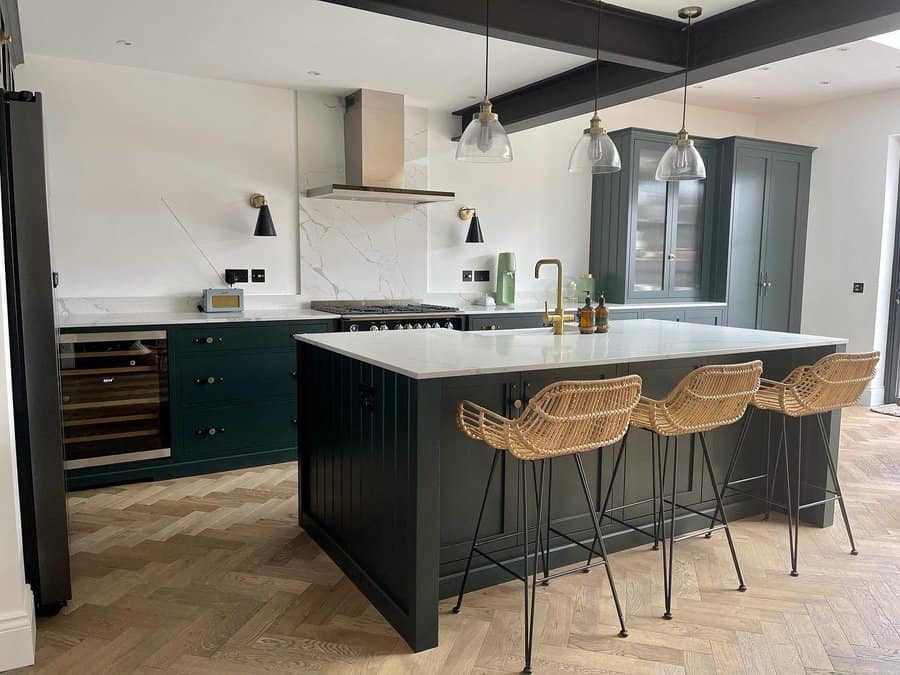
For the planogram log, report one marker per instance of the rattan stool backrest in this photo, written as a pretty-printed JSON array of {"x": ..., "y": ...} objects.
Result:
[
  {"x": 834, "y": 381},
  {"x": 710, "y": 397},
  {"x": 572, "y": 416}
]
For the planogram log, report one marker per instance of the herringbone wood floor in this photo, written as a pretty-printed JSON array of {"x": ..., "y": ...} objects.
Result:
[{"x": 211, "y": 575}]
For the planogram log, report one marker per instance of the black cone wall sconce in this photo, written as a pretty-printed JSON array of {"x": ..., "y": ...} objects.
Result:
[{"x": 264, "y": 225}]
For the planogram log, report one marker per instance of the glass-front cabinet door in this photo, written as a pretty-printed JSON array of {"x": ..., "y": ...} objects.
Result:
[
  {"x": 686, "y": 248},
  {"x": 668, "y": 230},
  {"x": 651, "y": 223}
]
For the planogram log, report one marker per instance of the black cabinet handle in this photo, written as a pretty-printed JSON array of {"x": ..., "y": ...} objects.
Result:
[
  {"x": 209, "y": 339},
  {"x": 211, "y": 431},
  {"x": 209, "y": 380},
  {"x": 294, "y": 420},
  {"x": 293, "y": 373}
]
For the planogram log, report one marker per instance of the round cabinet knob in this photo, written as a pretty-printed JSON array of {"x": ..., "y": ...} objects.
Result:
[
  {"x": 672, "y": 256},
  {"x": 293, "y": 373},
  {"x": 209, "y": 340},
  {"x": 493, "y": 326},
  {"x": 212, "y": 431},
  {"x": 210, "y": 380},
  {"x": 517, "y": 404}
]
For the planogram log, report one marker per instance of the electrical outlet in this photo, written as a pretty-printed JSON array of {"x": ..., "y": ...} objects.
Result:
[
  {"x": 858, "y": 287},
  {"x": 482, "y": 275},
  {"x": 467, "y": 275},
  {"x": 258, "y": 276},
  {"x": 233, "y": 276}
]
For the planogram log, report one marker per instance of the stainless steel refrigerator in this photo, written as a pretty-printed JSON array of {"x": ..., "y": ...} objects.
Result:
[{"x": 33, "y": 356}]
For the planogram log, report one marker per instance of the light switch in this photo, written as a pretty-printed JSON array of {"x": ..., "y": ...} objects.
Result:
[
  {"x": 858, "y": 286},
  {"x": 467, "y": 275}
]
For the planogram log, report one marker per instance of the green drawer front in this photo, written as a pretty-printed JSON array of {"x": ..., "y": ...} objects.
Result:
[
  {"x": 216, "y": 378},
  {"x": 239, "y": 428},
  {"x": 244, "y": 336},
  {"x": 504, "y": 321}
]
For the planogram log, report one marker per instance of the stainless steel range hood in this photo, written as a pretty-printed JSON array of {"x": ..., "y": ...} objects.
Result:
[{"x": 373, "y": 154}]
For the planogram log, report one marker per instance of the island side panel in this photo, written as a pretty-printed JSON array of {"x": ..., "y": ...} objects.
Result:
[{"x": 368, "y": 496}]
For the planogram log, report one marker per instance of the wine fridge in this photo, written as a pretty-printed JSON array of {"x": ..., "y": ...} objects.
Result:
[{"x": 115, "y": 397}]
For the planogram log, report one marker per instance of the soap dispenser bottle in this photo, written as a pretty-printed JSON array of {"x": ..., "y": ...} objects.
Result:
[
  {"x": 601, "y": 315},
  {"x": 586, "y": 316}
]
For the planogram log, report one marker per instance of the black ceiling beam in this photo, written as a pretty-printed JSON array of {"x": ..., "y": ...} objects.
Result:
[
  {"x": 627, "y": 37},
  {"x": 752, "y": 35}
]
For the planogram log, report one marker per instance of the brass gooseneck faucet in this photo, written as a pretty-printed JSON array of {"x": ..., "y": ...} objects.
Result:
[{"x": 559, "y": 317}]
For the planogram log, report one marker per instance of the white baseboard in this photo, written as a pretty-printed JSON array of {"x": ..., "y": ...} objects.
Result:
[{"x": 17, "y": 634}]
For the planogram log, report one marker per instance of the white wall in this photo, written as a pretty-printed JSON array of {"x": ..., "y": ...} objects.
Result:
[
  {"x": 17, "y": 629},
  {"x": 853, "y": 201},
  {"x": 119, "y": 140},
  {"x": 534, "y": 206}
]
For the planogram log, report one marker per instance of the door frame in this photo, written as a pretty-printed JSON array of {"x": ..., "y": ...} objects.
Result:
[{"x": 892, "y": 348}]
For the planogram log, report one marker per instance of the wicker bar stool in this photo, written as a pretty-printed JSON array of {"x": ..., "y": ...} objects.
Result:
[
  {"x": 707, "y": 398},
  {"x": 833, "y": 382},
  {"x": 565, "y": 418}
]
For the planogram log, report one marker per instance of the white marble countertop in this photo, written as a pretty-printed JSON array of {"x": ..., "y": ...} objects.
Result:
[
  {"x": 529, "y": 307},
  {"x": 101, "y": 319},
  {"x": 437, "y": 352}
]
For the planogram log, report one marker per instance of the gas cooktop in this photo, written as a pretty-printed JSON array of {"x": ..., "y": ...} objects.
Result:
[{"x": 361, "y": 308}]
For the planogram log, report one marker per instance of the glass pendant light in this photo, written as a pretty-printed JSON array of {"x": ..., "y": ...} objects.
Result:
[
  {"x": 595, "y": 151},
  {"x": 484, "y": 140},
  {"x": 682, "y": 161}
]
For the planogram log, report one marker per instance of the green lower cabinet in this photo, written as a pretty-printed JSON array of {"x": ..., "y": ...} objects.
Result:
[
  {"x": 504, "y": 321},
  {"x": 238, "y": 428},
  {"x": 216, "y": 378}
]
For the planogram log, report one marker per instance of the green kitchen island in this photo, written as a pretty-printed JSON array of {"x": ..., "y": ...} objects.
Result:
[{"x": 390, "y": 488}]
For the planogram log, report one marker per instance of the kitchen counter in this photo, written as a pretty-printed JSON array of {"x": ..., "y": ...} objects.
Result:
[
  {"x": 390, "y": 487},
  {"x": 437, "y": 353},
  {"x": 102, "y": 319},
  {"x": 531, "y": 307}
]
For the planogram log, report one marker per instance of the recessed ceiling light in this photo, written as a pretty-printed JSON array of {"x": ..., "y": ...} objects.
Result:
[
  {"x": 825, "y": 82},
  {"x": 757, "y": 98},
  {"x": 124, "y": 43},
  {"x": 313, "y": 73},
  {"x": 698, "y": 86},
  {"x": 765, "y": 68},
  {"x": 843, "y": 49}
]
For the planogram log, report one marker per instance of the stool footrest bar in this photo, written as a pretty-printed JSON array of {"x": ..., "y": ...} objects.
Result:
[
  {"x": 581, "y": 568},
  {"x": 703, "y": 532},
  {"x": 630, "y": 526},
  {"x": 714, "y": 518},
  {"x": 745, "y": 480},
  {"x": 505, "y": 567},
  {"x": 827, "y": 500}
]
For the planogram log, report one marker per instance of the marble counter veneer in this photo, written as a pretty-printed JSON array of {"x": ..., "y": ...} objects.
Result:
[{"x": 438, "y": 353}]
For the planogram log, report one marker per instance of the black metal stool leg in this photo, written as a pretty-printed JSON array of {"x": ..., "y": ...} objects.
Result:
[
  {"x": 798, "y": 496},
  {"x": 524, "y": 492},
  {"x": 487, "y": 488},
  {"x": 546, "y": 559},
  {"x": 529, "y": 611},
  {"x": 837, "y": 486},
  {"x": 720, "y": 508},
  {"x": 790, "y": 501},
  {"x": 667, "y": 572},
  {"x": 623, "y": 444},
  {"x": 654, "y": 460},
  {"x": 771, "y": 482},
  {"x": 539, "y": 535},
  {"x": 599, "y": 537},
  {"x": 733, "y": 463}
]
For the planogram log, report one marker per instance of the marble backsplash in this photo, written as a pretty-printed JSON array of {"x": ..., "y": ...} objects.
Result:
[{"x": 352, "y": 250}]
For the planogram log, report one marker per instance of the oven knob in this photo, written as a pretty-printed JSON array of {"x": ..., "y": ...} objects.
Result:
[
  {"x": 354, "y": 328},
  {"x": 408, "y": 326},
  {"x": 449, "y": 325},
  {"x": 398, "y": 326},
  {"x": 383, "y": 326},
  {"x": 373, "y": 327},
  {"x": 418, "y": 325}
]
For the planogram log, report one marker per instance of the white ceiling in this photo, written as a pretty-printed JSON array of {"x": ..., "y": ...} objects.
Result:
[
  {"x": 669, "y": 8},
  {"x": 277, "y": 42},
  {"x": 857, "y": 68}
]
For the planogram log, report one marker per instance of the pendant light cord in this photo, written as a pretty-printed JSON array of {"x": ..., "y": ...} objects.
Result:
[
  {"x": 687, "y": 64},
  {"x": 597, "y": 63},
  {"x": 487, "y": 42}
]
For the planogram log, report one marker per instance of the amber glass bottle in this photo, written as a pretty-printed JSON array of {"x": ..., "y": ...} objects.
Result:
[
  {"x": 586, "y": 316},
  {"x": 601, "y": 316}
]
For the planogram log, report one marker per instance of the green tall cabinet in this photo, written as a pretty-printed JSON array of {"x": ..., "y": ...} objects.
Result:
[
  {"x": 651, "y": 240},
  {"x": 760, "y": 239}
]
